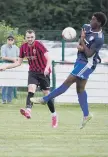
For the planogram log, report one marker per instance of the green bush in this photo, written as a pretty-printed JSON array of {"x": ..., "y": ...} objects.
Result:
[{"x": 5, "y": 31}]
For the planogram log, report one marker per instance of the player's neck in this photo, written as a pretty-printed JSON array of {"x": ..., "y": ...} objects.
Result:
[{"x": 96, "y": 29}]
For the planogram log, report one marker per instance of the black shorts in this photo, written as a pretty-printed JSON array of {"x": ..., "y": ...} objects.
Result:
[{"x": 39, "y": 80}]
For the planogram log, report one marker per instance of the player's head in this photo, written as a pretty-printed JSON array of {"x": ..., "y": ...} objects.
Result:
[
  {"x": 98, "y": 20},
  {"x": 30, "y": 36},
  {"x": 10, "y": 40}
]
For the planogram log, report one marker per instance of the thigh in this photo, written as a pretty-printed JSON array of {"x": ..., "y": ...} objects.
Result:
[
  {"x": 32, "y": 78},
  {"x": 70, "y": 80},
  {"x": 44, "y": 81},
  {"x": 82, "y": 70},
  {"x": 32, "y": 82}
]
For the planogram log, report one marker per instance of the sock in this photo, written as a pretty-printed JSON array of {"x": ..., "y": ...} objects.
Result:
[
  {"x": 56, "y": 92},
  {"x": 51, "y": 107},
  {"x": 82, "y": 98},
  {"x": 29, "y": 104},
  {"x": 29, "y": 109},
  {"x": 54, "y": 114}
]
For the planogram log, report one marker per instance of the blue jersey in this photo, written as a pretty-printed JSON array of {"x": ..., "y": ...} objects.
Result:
[{"x": 95, "y": 39}]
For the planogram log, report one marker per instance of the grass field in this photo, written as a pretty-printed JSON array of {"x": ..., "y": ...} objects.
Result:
[{"x": 20, "y": 137}]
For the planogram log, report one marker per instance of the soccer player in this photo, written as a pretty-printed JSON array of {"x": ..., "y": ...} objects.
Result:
[
  {"x": 91, "y": 41},
  {"x": 39, "y": 72}
]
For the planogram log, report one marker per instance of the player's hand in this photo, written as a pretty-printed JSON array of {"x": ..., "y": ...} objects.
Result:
[
  {"x": 2, "y": 68},
  {"x": 83, "y": 34},
  {"x": 81, "y": 41},
  {"x": 46, "y": 71},
  {"x": 80, "y": 48}
]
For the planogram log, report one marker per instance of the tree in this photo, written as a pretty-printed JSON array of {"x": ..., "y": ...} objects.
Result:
[
  {"x": 50, "y": 14},
  {"x": 6, "y": 30}
]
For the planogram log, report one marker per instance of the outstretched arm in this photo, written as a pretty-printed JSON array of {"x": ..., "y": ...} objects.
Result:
[{"x": 12, "y": 65}]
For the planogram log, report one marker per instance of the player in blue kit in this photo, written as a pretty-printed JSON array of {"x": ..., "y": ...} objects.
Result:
[{"x": 91, "y": 41}]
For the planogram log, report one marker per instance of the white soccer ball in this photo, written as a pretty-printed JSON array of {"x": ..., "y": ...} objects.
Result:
[{"x": 69, "y": 33}]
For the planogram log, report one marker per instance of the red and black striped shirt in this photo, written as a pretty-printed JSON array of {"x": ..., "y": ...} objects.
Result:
[{"x": 35, "y": 55}]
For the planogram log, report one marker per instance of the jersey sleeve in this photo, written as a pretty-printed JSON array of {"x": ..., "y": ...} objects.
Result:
[
  {"x": 97, "y": 45},
  {"x": 41, "y": 47}
]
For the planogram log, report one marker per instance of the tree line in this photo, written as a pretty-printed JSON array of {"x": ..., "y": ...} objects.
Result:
[{"x": 50, "y": 14}]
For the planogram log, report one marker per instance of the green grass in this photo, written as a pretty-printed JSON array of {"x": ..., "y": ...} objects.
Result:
[{"x": 20, "y": 137}]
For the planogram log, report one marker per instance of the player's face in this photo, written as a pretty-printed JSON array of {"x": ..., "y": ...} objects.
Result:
[
  {"x": 10, "y": 41},
  {"x": 94, "y": 22},
  {"x": 30, "y": 38}
]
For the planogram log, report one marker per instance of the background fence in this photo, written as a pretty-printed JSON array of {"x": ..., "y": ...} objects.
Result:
[
  {"x": 97, "y": 86},
  {"x": 56, "y": 35}
]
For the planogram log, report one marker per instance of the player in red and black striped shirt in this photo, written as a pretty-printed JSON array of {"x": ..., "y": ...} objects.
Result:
[
  {"x": 36, "y": 54},
  {"x": 39, "y": 72}
]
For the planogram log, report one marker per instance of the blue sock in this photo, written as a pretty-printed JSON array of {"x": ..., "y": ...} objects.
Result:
[
  {"x": 82, "y": 98},
  {"x": 56, "y": 92}
]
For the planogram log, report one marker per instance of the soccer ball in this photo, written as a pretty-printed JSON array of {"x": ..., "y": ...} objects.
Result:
[{"x": 69, "y": 33}]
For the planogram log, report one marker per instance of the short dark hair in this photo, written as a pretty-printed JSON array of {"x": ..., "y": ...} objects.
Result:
[
  {"x": 30, "y": 31},
  {"x": 10, "y": 36},
  {"x": 101, "y": 17}
]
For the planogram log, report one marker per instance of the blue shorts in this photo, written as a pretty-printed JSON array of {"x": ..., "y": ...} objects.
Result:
[{"x": 82, "y": 70}]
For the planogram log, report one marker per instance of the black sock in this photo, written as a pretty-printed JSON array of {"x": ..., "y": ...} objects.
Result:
[
  {"x": 29, "y": 104},
  {"x": 51, "y": 107}
]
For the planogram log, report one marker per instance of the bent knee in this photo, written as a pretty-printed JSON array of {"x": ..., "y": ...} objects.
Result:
[
  {"x": 46, "y": 92},
  {"x": 80, "y": 90},
  {"x": 32, "y": 88}
]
